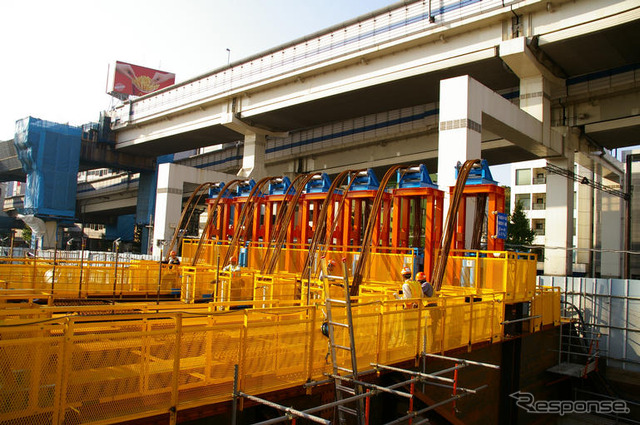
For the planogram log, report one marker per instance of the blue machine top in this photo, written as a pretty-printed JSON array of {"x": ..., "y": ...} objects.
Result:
[
  {"x": 365, "y": 181},
  {"x": 481, "y": 175},
  {"x": 414, "y": 177},
  {"x": 319, "y": 184},
  {"x": 244, "y": 188},
  {"x": 280, "y": 186},
  {"x": 215, "y": 191}
]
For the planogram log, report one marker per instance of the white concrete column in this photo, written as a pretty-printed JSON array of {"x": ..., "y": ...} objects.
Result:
[
  {"x": 253, "y": 158},
  {"x": 50, "y": 238},
  {"x": 585, "y": 216},
  {"x": 168, "y": 205},
  {"x": 460, "y": 136},
  {"x": 460, "y": 126},
  {"x": 559, "y": 221},
  {"x": 611, "y": 230},
  {"x": 169, "y": 194},
  {"x": 535, "y": 100}
]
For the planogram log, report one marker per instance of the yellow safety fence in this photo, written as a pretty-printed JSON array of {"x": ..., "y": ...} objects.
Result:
[
  {"x": 509, "y": 272},
  {"x": 546, "y": 304},
  {"x": 381, "y": 266},
  {"x": 74, "y": 278},
  {"x": 87, "y": 368}
]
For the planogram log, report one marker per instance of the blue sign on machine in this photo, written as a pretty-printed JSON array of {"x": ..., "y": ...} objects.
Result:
[{"x": 501, "y": 226}]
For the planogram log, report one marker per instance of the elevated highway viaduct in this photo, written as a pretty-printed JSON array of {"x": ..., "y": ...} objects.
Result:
[{"x": 418, "y": 82}]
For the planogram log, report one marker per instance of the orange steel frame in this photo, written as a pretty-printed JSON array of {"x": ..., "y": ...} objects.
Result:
[
  {"x": 238, "y": 204},
  {"x": 353, "y": 226},
  {"x": 496, "y": 204},
  {"x": 221, "y": 229},
  {"x": 311, "y": 214},
  {"x": 270, "y": 214},
  {"x": 432, "y": 220}
]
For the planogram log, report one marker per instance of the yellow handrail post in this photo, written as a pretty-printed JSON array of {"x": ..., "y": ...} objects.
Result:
[
  {"x": 173, "y": 409},
  {"x": 471, "y": 301},
  {"x": 442, "y": 326},
  {"x": 312, "y": 339},
  {"x": 505, "y": 274},
  {"x": 379, "y": 341},
  {"x": 209, "y": 344},
  {"x": 146, "y": 353},
  {"x": 476, "y": 271},
  {"x": 417, "y": 341},
  {"x": 242, "y": 354},
  {"x": 34, "y": 272},
  {"x": 60, "y": 397},
  {"x": 493, "y": 309}
]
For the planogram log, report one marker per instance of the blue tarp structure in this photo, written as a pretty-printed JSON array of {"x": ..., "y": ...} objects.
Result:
[
  {"x": 50, "y": 155},
  {"x": 123, "y": 228}
]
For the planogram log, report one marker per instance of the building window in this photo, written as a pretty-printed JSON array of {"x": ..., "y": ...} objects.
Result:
[
  {"x": 538, "y": 226},
  {"x": 540, "y": 178},
  {"x": 525, "y": 200},
  {"x": 523, "y": 176},
  {"x": 539, "y": 203}
]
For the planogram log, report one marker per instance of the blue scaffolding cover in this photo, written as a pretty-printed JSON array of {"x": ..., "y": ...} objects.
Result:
[{"x": 50, "y": 155}]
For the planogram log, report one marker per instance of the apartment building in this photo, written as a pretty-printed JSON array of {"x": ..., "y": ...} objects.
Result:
[{"x": 529, "y": 187}]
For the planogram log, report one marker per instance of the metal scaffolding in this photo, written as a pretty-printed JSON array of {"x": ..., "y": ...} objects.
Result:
[{"x": 433, "y": 378}]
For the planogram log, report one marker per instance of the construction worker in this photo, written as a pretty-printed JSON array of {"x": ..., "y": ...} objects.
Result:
[
  {"x": 410, "y": 287},
  {"x": 173, "y": 258},
  {"x": 232, "y": 266},
  {"x": 331, "y": 265},
  {"x": 427, "y": 289}
]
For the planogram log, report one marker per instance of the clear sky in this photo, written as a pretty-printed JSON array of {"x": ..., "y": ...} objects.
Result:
[{"x": 55, "y": 53}]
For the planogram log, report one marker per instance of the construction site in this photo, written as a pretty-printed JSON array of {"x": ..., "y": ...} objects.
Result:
[
  {"x": 313, "y": 234},
  {"x": 253, "y": 326}
]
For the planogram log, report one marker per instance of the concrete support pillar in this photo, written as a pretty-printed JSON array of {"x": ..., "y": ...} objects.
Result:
[
  {"x": 460, "y": 132},
  {"x": 585, "y": 221},
  {"x": 253, "y": 158},
  {"x": 50, "y": 238},
  {"x": 168, "y": 205},
  {"x": 611, "y": 229},
  {"x": 459, "y": 137},
  {"x": 169, "y": 195},
  {"x": 558, "y": 256},
  {"x": 535, "y": 100}
]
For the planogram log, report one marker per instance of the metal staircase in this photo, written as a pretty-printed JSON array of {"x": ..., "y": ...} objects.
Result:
[{"x": 579, "y": 350}]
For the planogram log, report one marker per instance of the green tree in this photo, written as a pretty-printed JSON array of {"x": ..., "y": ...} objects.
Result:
[
  {"x": 26, "y": 235},
  {"x": 518, "y": 231}
]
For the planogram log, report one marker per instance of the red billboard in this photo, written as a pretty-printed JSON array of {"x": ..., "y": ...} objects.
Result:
[{"x": 126, "y": 80}]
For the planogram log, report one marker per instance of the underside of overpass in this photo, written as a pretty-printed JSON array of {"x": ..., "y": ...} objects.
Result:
[{"x": 584, "y": 58}]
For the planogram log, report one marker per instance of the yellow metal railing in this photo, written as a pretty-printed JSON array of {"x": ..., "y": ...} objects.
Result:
[
  {"x": 74, "y": 278},
  {"x": 104, "y": 369},
  {"x": 503, "y": 271},
  {"x": 382, "y": 265},
  {"x": 546, "y": 304}
]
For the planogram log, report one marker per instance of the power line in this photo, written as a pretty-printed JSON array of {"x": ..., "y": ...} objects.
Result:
[
  {"x": 584, "y": 180},
  {"x": 614, "y": 251}
]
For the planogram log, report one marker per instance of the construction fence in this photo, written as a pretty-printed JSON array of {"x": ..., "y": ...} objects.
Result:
[
  {"x": 507, "y": 272},
  {"x": 609, "y": 308},
  {"x": 78, "y": 279},
  {"x": 88, "y": 366}
]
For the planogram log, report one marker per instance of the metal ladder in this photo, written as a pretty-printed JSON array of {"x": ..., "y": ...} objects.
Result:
[{"x": 345, "y": 378}]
